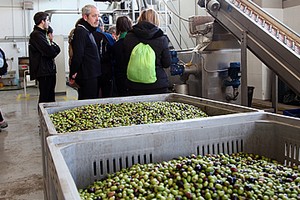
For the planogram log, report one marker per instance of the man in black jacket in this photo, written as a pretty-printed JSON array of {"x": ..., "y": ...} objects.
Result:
[
  {"x": 42, "y": 51},
  {"x": 85, "y": 67}
]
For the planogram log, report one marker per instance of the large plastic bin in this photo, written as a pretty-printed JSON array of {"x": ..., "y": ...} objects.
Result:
[
  {"x": 211, "y": 107},
  {"x": 78, "y": 160}
]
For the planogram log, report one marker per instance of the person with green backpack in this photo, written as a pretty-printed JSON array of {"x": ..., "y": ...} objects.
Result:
[{"x": 146, "y": 50}]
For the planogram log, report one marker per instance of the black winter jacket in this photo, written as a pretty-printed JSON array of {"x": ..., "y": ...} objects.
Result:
[
  {"x": 41, "y": 54},
  {"x": 149, "y": 34},
  {"x": 120, "y": 68},
  {"x": 85, "y": 60}
]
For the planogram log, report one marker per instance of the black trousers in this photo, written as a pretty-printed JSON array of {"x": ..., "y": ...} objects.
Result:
[
  {"x": 47, "y": 88},
  {"x": 88, "y": 88},
  {"x": 105, "y": 85}
]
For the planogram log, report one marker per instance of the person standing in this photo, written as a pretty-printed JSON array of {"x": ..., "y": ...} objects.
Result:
[
  {"x": 148, "y": 32},
  {"x": 42, "y": 51},
  {"x": 105, "y": 41},
  {"x": 85, "y": 66},
  {"x": 123, "y": 25}
]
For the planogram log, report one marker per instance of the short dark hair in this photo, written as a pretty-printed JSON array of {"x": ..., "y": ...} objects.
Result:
[
  {"x": 123, "y": 24},
  {"x": 39, "y": 17}
]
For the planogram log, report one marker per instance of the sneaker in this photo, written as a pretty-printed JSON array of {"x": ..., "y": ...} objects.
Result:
[{"x": 3, "y": 124}]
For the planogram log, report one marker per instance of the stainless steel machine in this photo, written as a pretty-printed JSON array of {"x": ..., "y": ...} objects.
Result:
[
  {"x": 214, "y": 64},
  {"x": 218, "y": 64}
]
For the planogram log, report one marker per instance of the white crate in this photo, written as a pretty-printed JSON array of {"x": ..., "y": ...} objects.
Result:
[
  {"x": 78, "y": 160},
  {"x": 211, "y": 107}
]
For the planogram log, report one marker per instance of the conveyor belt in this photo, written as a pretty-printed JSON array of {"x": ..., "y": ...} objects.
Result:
[{"x": 272, "y": 42}]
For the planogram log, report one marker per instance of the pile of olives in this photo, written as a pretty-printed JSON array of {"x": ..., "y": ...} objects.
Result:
[
  {"x": 123, "y": 114},
  {"x": 222, "y": 176}
]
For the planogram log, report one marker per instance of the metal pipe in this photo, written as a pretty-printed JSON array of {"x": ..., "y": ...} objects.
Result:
[
  {"x": 244, "y": 69},
  {"x": 78, "y": 12},
  {"x": 274, "y": 93},
  {"x": 51, "y": 12},
  {"x": 15, "y": 37},
  {"x": 13, "y": 19},
  {"x": 11, "y": 6},
  {"x": 188, "y": 70},
  {"x": 24, "y": 28}
]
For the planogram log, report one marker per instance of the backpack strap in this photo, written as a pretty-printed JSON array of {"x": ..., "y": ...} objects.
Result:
[
  {"x": 90, "y": 34},
  {"x": 91, "y": 37}
]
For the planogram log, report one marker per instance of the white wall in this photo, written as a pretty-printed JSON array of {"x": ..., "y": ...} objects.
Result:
[{"x": 289, "y": 18}]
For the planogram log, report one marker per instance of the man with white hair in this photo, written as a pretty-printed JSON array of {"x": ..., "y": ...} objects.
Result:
[{"x": 85, "y": 67}]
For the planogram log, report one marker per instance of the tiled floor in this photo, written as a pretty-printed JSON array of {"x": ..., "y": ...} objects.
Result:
[{"x": 21, "y": 175}]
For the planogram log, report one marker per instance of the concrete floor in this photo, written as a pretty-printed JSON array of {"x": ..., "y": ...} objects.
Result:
[{"x": 21, "y": 173}]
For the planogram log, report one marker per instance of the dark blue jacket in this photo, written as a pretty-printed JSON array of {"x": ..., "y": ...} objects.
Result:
[
  {"x": 41, "y": 54},
  {"x": 105, "y": 42},
  {"x": 149, "y": 34}
]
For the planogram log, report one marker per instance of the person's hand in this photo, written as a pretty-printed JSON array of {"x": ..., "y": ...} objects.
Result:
[
  {"x": 72, "y": 82},
  {"x": 50, "y": 36}
]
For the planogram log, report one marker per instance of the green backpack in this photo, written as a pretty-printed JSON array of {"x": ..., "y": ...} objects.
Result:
[{"x": 141, "y": 66}]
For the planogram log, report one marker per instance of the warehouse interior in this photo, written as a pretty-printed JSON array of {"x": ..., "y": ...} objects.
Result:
[{"x": 204, "y": 53}]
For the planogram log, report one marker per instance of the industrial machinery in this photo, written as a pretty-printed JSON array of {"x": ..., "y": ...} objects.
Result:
[
  {"x": 214, "y": 64},
  {"x": 237, "y": 25}
]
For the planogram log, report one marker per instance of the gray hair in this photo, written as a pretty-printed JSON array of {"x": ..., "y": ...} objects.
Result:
[{"x": 86, "y": 10}]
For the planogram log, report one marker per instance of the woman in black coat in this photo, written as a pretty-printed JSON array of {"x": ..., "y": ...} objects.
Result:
[
  {"x": 148, "y": 32},
  {"x": 123, "y": 25}
]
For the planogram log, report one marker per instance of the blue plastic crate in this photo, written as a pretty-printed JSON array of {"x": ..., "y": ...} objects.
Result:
[{"x": 292, "y": 112}]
